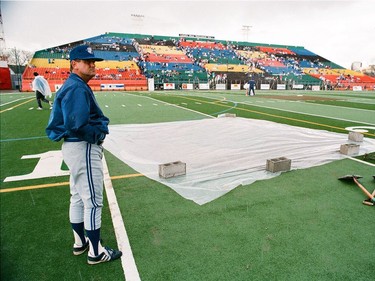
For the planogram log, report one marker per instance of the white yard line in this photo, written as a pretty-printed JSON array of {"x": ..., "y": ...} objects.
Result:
[
  {"x": 262, "y": 104},
  {"x": 310, "y": 114},
  {"x": 14, "y": 101},
  {"x": 180, "y": 107},
  {"x": 166, "y": 103},
  {"x": 361, "y": 161},
  {"x": 127, "y": 259}
]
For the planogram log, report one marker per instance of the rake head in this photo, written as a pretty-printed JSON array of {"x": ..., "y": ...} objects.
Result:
[{"x": 350, "y": 177}]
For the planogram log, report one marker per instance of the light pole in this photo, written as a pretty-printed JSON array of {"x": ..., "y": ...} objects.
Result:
[
  {"x": 246, "y": 29},
  {"x": 138, "y": 21}
]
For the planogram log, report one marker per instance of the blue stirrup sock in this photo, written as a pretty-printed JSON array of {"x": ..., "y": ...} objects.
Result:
[
  {"x": 79, "y": 233},
  {"x": 95, "y": 245}
]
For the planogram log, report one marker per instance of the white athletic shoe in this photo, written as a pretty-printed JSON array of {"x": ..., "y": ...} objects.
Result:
[
  {"x": 108, "y": 254},
  {"x": 79, "y": 250}
]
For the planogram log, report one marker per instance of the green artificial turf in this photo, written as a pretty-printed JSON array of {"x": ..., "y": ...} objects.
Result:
[
  {"x": 37, "y": 241},
  {"x": 301, "y": 225},
  {"x": 293, "y": 227},
  {"x": 213, "y": 108}
]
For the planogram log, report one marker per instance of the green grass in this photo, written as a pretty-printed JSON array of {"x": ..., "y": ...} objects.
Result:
[{"x": 302, "y": 225}]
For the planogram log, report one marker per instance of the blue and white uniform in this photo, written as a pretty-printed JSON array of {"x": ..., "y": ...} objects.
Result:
[{"x": 77, "y": 119}]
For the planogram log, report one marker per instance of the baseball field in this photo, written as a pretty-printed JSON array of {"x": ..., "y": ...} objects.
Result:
[{"x": 303, "y": 224}]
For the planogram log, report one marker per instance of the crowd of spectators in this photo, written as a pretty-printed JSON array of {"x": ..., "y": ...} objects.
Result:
[{"x": 173, "y": 59}]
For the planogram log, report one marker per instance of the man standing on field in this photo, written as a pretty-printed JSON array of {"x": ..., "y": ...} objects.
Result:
[
  {"x": 78, "y": 120},
  {"x": 251, "y": 87}
]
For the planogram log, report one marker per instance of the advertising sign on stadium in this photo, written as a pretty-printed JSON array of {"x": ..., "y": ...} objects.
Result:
[
  {"x": 315, "y": 88},
  {"x": 220, "y": 87},
  {"x": 235, "y": 86},
  {"x": 112, "y": 86},
  {"x": 357, "y": 88},
  {"x": 204, "y": 86},
  {"x": 169, "y": 86},
  {"x": 264, "y": 86},
  {"x": 281, "y": 86},
  {"x": 298, "y": 86},
  {"x": 186, "y": 86}
]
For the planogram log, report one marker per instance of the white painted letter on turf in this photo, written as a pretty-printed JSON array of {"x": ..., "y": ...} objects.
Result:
[{"x": 49, "y": 165}]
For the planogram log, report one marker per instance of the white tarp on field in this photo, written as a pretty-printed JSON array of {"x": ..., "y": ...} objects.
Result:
[{"x": 223, "y": 153}]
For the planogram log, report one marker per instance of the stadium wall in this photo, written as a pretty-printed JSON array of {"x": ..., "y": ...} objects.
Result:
[
  {"x": 96, "y": 85},
  {"x": 5, "y": 78}
]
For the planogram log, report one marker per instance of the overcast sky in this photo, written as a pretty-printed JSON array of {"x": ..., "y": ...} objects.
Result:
[{"x": 341, "y": 31}]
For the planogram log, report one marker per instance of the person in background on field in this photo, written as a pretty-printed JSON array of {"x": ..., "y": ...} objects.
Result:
[
  {"x": 251, "y": 87},
  {"x": 77, "y": 119},
  {"x": 42, "y": 90}
]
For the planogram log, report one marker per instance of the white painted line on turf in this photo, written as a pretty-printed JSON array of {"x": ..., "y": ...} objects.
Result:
[
  {"x": 310, "y": 114},
  {"x": 360, "y": 129},
  {"x": 184, "y": 108},
  {"x": 127, "y": 259},
  {"x": 16, "y": 105},
  {"x": 14, "y": 101},
  {"x": 361, "y": 161}
]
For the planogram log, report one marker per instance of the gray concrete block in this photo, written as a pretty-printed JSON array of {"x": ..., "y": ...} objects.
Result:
[
  {"x": 172, "y": 169},
  {"x": 349, "y": 149},
  {"x": 355, "y": 136},
  {"x": 278, "y": 164}
]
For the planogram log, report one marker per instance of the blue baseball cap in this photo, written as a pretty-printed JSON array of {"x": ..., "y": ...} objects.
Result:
[{"x": 83, "y": 52}]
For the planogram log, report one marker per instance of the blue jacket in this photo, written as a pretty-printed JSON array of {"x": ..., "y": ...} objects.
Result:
[{"x": 76, "y": 115}]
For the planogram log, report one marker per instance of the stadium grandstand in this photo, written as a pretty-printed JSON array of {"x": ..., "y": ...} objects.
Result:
[{"x": 135, "y": 62}]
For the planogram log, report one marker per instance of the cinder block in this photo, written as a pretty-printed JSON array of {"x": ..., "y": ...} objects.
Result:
[
  {"x": 172, "y": 169},
  {"x": 278, "y": 164},
  {"x": 349, "y": 149},
  {"x": 355, "y": 136},
  {"x": 226, "y": 115}
]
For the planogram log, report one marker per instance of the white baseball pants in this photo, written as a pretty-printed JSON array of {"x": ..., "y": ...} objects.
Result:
[{"x": 86, "y": 182}]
